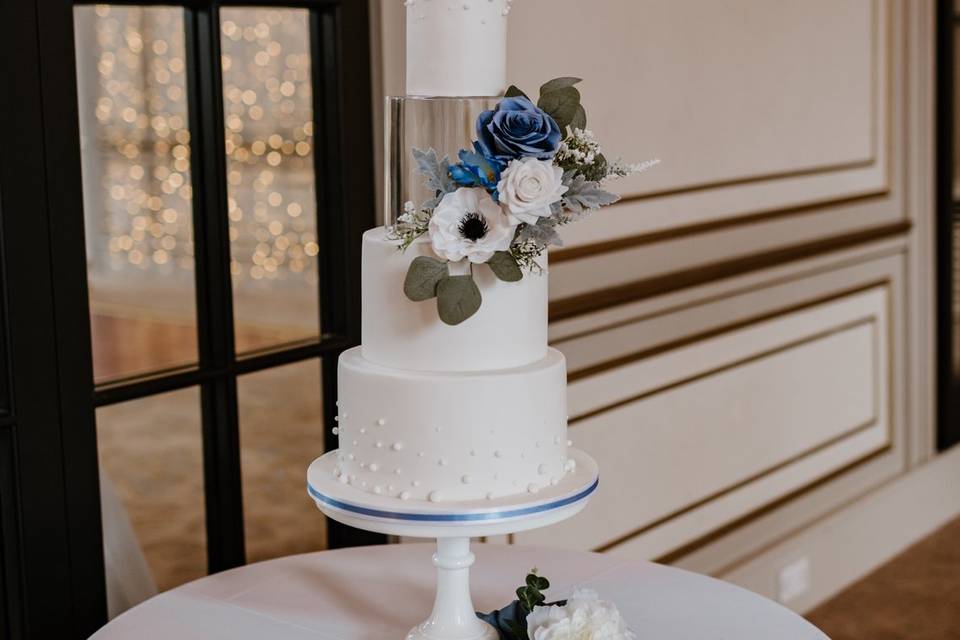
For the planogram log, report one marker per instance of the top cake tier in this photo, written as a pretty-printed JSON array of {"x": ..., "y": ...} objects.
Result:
[
  {"x": 457, "y": 48},
  {"x": 509, "y": 330}
]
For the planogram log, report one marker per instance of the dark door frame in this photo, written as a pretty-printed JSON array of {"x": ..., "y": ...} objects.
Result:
[
  {"x": 51, "y": 566},
  {"x": 947, "y": 217}
]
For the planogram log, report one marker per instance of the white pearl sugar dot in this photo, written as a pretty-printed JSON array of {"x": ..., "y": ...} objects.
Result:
[
  {"x": 415, "y": 483},
  {"x": 374, "y": 466},
  {"x": 336, "y": 431},
  {"x": 498, "y": 454},
  {"x": 542, "y": 469},
  {"x": 404, "y": 495},
  {"x": 398, "y": 471},
  {"x": 397, "y": 446},
  {"x": 569, "y": 443},
  {"x": 379, "y": 444},
  {"x": 378, "y": 489},
  {"x": 435, "y": 496},
  {"x": 466, "y": 479},
  {"x": 344, "y": 479},
  {"x": 381, "y": 422},
  {"x": 442, "y": 462},
  {"x": 363, "y": 429}
]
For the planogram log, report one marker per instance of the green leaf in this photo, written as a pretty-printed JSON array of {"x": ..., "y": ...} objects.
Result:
[
  {"x": 513, "y": 91},
  {"x": 518, "y": 630},
  {"x": 542, "y": 583},
  {"x": 423, "y": 275},
  {"x": 579, "y": 120},
  {"x": 559, "y": 83},
  {"x": 458, "y": 298},
  {"x": 505, "y": 267},
  {"x": 522, "y": 597},
  {"x": 561, "y": 104}
]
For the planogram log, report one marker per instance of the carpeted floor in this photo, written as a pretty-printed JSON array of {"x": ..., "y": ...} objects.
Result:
[{"x": 915, "y": 596}]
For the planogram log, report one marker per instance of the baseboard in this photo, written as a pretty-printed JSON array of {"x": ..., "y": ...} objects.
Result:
[{"x": 850, "y": 543}]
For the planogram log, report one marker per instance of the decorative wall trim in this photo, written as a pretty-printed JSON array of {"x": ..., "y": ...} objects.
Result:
[
  {"x": 587, "y": 250},
  {"x": 613, "y": 296},
  {"x": 716, "y": 331}
]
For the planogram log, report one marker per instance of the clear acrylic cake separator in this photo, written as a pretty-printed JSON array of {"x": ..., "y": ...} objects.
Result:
[
  {"x": 444, "y": 124},
  {"x": 452, "y": 524}
]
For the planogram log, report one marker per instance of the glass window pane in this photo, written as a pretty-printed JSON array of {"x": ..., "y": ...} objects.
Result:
[
  {"x": 151, "y": 459},
  {"x": 135, "y": 145},
  {"x": 281, "y": 432},
  {"x": 268, "y": 115}
]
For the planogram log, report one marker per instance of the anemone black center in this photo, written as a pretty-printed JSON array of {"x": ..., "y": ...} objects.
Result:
[{"x": 473, "y": 226}]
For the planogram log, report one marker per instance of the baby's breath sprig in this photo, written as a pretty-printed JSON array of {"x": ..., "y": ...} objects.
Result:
[
  {"x": 526, "y": 252},
  {"x": 411, "y": 224}
]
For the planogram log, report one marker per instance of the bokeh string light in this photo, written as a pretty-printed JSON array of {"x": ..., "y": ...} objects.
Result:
[{"x": 144, "y": 140}]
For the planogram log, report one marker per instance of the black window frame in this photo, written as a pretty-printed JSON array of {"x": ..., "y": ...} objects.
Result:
[
  {"x": 947, "y": 218},
  {"x": 51, "y": 566}
]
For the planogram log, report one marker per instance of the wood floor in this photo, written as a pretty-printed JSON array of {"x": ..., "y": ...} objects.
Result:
[{"x": 915, "y": 596}]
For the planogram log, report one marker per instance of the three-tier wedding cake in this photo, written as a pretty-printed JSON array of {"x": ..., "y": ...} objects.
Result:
[{"x": 439, "y": 412}]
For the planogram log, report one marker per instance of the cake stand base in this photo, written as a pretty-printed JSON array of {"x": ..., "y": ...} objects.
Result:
[
  {"x": 453, "y": 616},
  {"x": 452, "y": 524}
]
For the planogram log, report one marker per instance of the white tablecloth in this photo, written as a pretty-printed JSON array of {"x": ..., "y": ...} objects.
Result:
[{"x": 382, "y": 592}]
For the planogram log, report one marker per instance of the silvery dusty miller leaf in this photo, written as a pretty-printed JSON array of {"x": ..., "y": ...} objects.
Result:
[
  {"x": 434, "y": 169},
  {"x": 505, "y": 267},
  {"x": 458, "y": 298},
  {"x": 543, "y": 234},
  {"x": 423, "y": 274},
  {"x": 582, "y": 194}
]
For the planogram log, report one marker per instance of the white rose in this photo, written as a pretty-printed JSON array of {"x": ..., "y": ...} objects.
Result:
[
  {"x": 469, "y": 224},
  {"x": 529, "y": 186},
  {"x": 585, "y": 617}
]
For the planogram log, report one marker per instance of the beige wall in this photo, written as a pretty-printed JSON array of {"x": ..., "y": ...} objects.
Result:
[{"x": 749, "y": 331}]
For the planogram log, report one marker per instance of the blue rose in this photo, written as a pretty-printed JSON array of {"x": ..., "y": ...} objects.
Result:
[
  {"x": 476, "y": 170},
  {"x": 517, "y": 128}
]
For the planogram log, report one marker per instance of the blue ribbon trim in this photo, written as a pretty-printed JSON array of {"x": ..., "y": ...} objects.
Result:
[{"x": 452, "y": 517}]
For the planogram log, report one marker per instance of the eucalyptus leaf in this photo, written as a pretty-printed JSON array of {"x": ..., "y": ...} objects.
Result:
[
  {"x": 422, "y": 277},
  {"x": 458, "y": 298},
  {"x": 579, "y": 120},
  {"x": 505, "y": 267},
  {"x": 513, "y": 91},
  {"x": 559, "y": 83},
  {"x": 561, "y": 104}
]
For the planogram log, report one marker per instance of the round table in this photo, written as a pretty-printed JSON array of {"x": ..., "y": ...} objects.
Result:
[{"x": 381, "y": 592}]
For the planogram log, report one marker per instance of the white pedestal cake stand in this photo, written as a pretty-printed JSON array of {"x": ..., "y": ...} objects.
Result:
[{"x": 452, "y": 524}]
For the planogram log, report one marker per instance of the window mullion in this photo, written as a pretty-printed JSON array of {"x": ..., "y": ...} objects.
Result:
[{"x": 215, "y": 326}]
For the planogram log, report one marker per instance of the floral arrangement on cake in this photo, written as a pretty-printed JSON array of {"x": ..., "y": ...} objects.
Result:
[
  {"x": 584, "y": 616},
  {"x": 533, "y": 168}
]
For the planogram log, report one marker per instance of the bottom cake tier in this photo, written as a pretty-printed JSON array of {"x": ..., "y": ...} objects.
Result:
[{"x": 452, "y": 436}]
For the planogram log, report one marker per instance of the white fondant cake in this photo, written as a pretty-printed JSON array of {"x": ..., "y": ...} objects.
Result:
[
  {"x": 451, "y": 412},
  {"x": 457, "y": 47},
  {"x": 452, "y": 436},
  {"x": 509, "y": 330}
]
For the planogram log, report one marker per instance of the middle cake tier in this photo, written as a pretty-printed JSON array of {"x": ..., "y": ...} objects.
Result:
[{"x": 443, "y": 436}]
